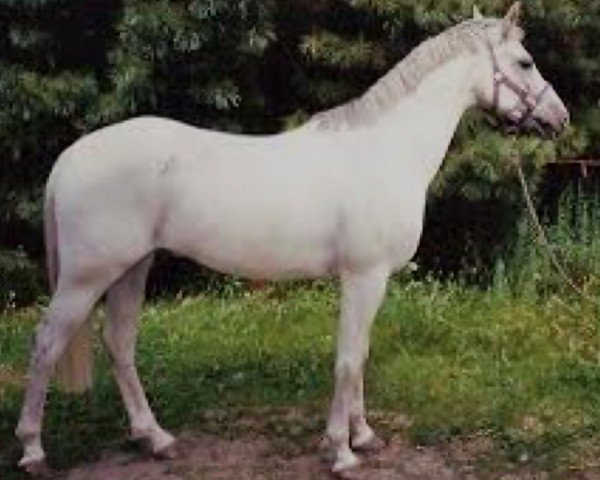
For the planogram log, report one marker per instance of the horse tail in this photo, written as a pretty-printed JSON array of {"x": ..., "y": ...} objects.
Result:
[
  {"x": 51, "y": 239},
  {"x": 74, "y": 368}
]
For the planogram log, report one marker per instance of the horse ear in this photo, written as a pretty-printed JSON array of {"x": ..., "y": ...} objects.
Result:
[
  {"x": 512, "y": 19},
  {"x": 477, "y": 15}
]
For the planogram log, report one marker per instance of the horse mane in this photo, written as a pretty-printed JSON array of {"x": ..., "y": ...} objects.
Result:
[{"x": 405, "y": 76}]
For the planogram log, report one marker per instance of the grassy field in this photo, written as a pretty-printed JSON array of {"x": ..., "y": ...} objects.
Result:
[{"x": 519, "y": 367}]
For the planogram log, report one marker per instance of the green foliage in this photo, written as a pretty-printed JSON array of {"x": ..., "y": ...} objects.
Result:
[
  {"x": 574, "y": 238},
  {"x": 20, "y": 280},
  {"x": 68, "y": 67},
  {"x": 330, "y": 49},
  {"x": 189, "y": 59}
]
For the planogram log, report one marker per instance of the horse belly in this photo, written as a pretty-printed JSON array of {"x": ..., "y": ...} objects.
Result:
[
  {"x": 240, "y": 238},
  {"x": 256, "y": 258},
  {"x": 265, "y": 263}
]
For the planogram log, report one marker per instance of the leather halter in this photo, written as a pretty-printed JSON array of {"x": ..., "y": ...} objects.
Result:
[{"x": 529, "y": 102}]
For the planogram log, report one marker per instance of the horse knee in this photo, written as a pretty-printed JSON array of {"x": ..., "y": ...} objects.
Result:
[{"x": 348, "y": 370}]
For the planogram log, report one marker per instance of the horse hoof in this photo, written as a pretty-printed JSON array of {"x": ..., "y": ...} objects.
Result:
[
  {"x": 372, "y": 445},
  {"x": 37, "y": 468},
  {"x": 344, "y": 468},
  {"x": 170, "y": 452}
]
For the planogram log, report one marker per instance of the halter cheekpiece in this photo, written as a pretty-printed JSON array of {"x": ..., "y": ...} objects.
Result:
[{"x": 529, "y": 102}]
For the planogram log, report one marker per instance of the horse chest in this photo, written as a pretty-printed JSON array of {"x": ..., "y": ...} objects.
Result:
[{"x": 384, "y": 230}]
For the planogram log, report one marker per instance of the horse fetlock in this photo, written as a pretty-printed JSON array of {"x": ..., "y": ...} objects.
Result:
[
  {"x": 28, "y": 435},
  {"x": 141, "y": 429},
  {"x": 336, "y": 437},
  {"x": 362, "y": 433},
  {"x": 25, "y": 432},
  {"x": 370, "y": 444}
]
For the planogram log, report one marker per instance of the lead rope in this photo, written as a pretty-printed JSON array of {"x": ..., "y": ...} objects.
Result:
[{"x": 543, "y": 239}]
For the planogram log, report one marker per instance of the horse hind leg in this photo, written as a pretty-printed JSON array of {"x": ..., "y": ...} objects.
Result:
[
  {"x": 69, "y": 308},
  {"x": 123, "y": 304}
]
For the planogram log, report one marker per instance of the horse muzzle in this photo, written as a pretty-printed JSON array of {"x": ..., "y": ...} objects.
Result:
[
  {"x": 549, "y": 118},
  {"x": 548, "y": 126}
]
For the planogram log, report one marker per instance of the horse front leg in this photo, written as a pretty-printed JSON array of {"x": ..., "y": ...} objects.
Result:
[{"x": 362, "y": 293}]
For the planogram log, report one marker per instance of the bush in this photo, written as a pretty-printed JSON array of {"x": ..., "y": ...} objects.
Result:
[
  {"x": 574, "y": 236},
  {"x": 21, "y": 282}
]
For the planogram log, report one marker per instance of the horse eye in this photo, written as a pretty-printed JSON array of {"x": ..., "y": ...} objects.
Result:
[{"x": 526, "y": 64}]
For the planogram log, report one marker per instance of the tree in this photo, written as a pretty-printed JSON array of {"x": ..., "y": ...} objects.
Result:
[{"x": 68, "y": 67}]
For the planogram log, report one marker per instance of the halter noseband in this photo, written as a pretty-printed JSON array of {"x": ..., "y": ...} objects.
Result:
[{"x": 529, "y": 102}]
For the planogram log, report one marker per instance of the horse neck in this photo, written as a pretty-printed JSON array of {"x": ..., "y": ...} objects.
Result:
[{"x": 414, "y": 136}]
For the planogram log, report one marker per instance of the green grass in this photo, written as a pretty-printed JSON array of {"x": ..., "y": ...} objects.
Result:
[
  {"x": 517, "y": 361},
  {"x": 455, "y": 359}
]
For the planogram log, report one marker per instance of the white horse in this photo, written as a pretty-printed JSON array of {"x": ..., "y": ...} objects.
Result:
[{"x": 343, "y": 195}]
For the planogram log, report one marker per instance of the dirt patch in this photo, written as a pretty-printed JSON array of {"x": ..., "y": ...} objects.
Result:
[
  {"x": 283, "y": 443},
  {"x": 209, "y": 457}
]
